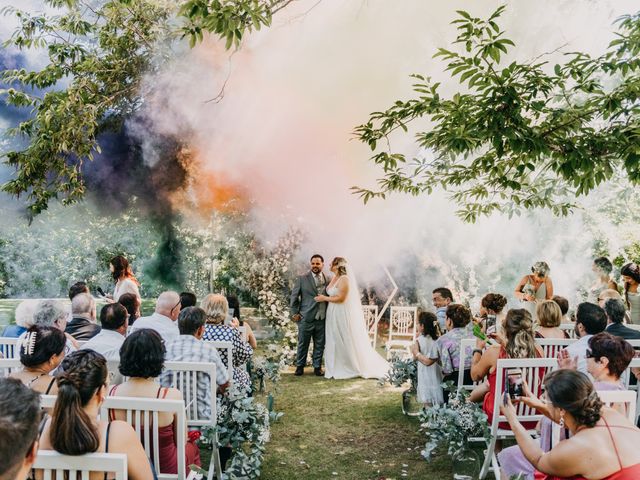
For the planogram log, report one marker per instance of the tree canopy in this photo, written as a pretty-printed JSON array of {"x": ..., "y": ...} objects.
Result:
[
  {"x": 517, "y": 135},
  {"x": 98, "y": 53}
]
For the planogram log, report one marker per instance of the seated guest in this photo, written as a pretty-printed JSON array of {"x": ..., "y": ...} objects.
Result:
[
  {"x": 19, "y": 418},
  {"x": 74, "y": 427},
  {"x": 492, "y": 307},
  {"x": 41, "y": 352},
  {"x": 606, "y": 295},
  {"x": 519, "y": 343},
  {"x": 602, "y": 268},
  {"x": 78, "y": 287},
  {"x": 216, "y": 308},
  {"x": 446, "y": 349},
  {"x": 52, "y": 313},
  {"x": 590, "y": 319},
  {"x": 442, "y": 298},
  {"x": 191, "y": 348},
  {"x": 164, "y": 318},
  {"x": 615, "y": 310},
  {"x": 549, "y": 319},
  {"x": 142, "y": 360},
  {"x": 188, "y": 299},
  {"x": 563, "y": 303},
  {"x": 113, "y": 318},
  {"x": 132, "y": 303},
  {"x": 602, "y": 444},
  {"x": 24, "y": 319},
  {"x": 608, "y": 357},
  {"x": 82, "y": 325}
]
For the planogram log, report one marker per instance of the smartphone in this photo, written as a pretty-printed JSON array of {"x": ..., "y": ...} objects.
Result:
[
  {"x": 229, "y": 319},
  {"x": 490, "y": 324},
  {"x": 514, "y": 383}
]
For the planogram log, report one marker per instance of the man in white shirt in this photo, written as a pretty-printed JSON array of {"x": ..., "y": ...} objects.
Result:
[
  {"x": 114, "y": 320},
  {"x": 164, "y": 319},
  {"x": 590, "y": 319}
]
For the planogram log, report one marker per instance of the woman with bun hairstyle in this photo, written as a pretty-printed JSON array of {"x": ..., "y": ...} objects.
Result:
[
  {"x": 74, "y": 427},
  {"x": 519, "y": 342},
  {"x": 602, "y": 445},
  {"x": 492, "y": 308},
  {"x": 549, "y": 319},
  {"x": 631, "y": 277},
  {"x": 41, "y": 351}
]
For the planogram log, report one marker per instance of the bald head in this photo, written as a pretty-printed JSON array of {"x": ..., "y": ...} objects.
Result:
[
  {"x": 606, "y": 295},
  {"x": 168, "y": 304}
]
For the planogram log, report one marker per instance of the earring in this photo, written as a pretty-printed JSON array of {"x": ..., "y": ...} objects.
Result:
[{"x": 562, "y": 420}]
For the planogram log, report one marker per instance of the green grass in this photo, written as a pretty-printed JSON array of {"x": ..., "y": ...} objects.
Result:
[{"x": 351, "y": 427}]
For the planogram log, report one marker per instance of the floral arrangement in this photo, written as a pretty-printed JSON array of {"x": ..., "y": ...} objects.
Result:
[
  {"x": 454, "y": 423},
  {"x": 243, "y": 425},
  {"x": 264, "y": 369},
  {"x": 401, "y": 371}
]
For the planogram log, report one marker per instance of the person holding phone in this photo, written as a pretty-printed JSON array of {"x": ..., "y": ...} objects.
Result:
[
  {"x": 603, "y": 442},
  {"x": 519, "y": 343}
]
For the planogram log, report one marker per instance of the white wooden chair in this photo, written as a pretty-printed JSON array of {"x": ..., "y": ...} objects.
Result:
[
  {"x": 9, "y": 366},
  {"x": 185, "y": 378},
  {"x": 466, "y": 347},
  {"x": 9, "y": 347},
  {"x": 225, "y": 350},
  {"x": 56, "y": 466},
  {"x": 370, "y": 313},
  {"x": 402, "y": 330},
  {"x": 142, "y": 414},
  {"x": 533, "y": 372},
  {"x": 569, "y": 328},
  {"x": 551, "y": 346}
]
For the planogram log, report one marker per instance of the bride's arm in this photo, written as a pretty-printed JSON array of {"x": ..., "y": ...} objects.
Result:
[{"x": 343, "y": 290}]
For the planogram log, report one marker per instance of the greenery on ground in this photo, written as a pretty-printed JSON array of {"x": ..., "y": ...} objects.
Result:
[
  {"x": 517, "y": 135},
  {"x": 345, "y": 429}
]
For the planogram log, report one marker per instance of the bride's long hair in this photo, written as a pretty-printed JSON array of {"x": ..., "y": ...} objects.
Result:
[{"x": 341, "y": 265}]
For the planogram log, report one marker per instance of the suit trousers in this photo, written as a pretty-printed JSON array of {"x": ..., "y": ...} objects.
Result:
[{"x": 307, "y": 330}]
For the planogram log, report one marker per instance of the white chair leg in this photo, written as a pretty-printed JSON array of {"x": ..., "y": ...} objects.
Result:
[{"x": 488, "y": 458}]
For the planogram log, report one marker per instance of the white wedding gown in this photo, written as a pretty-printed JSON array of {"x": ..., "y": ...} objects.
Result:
[{"x": 348, "y": 351}]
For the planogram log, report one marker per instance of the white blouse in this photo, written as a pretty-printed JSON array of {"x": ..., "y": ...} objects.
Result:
[{"x": 126, "y": 285}]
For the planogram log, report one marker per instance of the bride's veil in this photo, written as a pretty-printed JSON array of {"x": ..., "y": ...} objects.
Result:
[{"x": 356, "y": 315}]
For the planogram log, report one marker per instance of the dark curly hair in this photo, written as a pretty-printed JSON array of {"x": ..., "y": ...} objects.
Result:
[
  {"x": 142, "y": 354},
  {"x": 49, "y": 341},
  {"x": 616, "y": 349},
  {"x": 573, "y": 391},
  {"x": 494, "y": 302},
  {"x": 72, "y": 431},
  {"x": 459, "y": 315}
]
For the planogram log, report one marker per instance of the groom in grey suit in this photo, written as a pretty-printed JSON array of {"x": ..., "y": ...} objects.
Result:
[{"x": 310, "y": 315}]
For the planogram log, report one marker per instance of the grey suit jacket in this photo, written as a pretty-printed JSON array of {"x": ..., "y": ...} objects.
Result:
[{"x": 302, "y": 297}]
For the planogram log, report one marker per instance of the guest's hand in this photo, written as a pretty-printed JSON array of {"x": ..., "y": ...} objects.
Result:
[
  {"x": 235, "y": 323},
  {"x": 415, "y": 349},
  {"x": 565, "y": 361},
  {"x": 297, "y": 317},
  {"x": 507, "y": 409},
  {"x": 480, "y": 344},
  {"x": 499, "y": 339},
  {"x": 529, "y": 298},
  {"x": 321, "y": 298}
]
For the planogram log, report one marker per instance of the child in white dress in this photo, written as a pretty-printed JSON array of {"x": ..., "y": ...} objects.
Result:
[{"x": 429, "y": 377}]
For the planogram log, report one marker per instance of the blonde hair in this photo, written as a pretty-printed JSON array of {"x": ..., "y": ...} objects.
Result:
[
  {"x": 521, "y": 341},
  {"x": 341, "y": 265},
  {"x": 216, "y": 307},
  {"x": 549, "y": 314}
]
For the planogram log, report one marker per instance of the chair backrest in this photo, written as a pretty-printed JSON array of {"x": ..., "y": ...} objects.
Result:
[
  {"x": 243, "y": 332},
  {"x": 370, "y": 313},
  {"x": 56, "y": 466},
  {"x": 142, "y": 414},
  {"x": 551, "y": 346},
  {"x": 533, "y": 372},
  {"x": 9, "y": 347},
  {"x": 185, "y": 377},
  {"x": 9, "y": 366},
  {"x": 624, "y": 398},
  {"x": 569, "y": 328},
  {"x": 403, "y": 322},
  {"x": 466, "y": 346},
  {"x": 225, "y": 350}
]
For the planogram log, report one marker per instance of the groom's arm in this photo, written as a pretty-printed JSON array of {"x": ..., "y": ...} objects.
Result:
[{"x": 294, "y": 302}]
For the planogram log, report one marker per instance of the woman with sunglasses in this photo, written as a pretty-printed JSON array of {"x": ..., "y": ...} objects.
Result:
[
  {"x": 602, "y": 445},
  {"x": 608, "y": 357}
]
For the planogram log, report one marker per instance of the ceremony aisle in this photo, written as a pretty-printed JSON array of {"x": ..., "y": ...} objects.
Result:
[{"x": 345, "y": 429}]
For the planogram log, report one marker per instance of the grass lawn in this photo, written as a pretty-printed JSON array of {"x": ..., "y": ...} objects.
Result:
[{"x": 345, "y": 429}]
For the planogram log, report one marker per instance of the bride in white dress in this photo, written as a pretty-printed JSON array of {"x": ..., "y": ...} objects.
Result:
[{"x": 348, "y": 352}]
